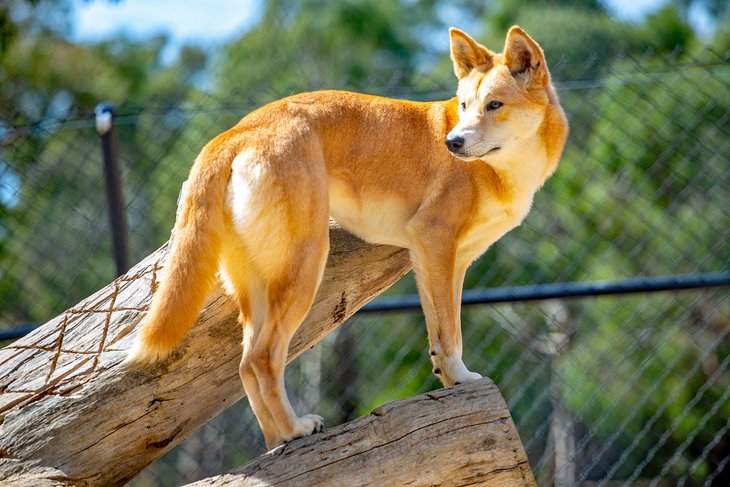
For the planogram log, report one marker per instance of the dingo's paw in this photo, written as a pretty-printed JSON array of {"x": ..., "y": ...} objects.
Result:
[
  {"x": 307, "y": 425},
  {"x": 452, "y": 371},
  {"x": 467, "y": 377}
]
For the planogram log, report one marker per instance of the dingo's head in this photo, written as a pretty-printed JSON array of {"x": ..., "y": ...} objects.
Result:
[{"x": 504, "y": 100}]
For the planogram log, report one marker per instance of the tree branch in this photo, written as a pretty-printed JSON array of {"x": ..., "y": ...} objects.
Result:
[{"x": 462, "y": 435}]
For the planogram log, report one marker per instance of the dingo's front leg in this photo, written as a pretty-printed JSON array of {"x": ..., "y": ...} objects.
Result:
[{"x": 440, "y": 279}]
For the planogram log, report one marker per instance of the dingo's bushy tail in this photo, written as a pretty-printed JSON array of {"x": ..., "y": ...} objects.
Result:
[{"x": 192, "y": 264}]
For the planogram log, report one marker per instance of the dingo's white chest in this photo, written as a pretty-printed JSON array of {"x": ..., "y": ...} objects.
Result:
[{"x": 493, "y": 223}]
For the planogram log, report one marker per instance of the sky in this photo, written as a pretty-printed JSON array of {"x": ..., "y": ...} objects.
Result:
[
  {"x": 184, "y": 20},
  {"x": 214, "y": 21}
]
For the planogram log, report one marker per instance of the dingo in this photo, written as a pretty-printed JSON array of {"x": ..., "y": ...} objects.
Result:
[{"x": 444, "y": 180}]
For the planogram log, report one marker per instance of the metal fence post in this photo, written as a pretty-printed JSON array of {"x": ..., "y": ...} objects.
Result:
[{"x": 113, "y": 182}]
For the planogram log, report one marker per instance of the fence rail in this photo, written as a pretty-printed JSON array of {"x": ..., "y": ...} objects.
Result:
[{"x": 562, "y": 290}]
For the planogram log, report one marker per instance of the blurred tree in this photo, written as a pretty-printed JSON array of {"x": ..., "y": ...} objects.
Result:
[
  {"x": 668, "y": 29},
  {"x": 33, "y": 17},
  {"x": 654, "y": 159},
  {"x": 578, "y": 37},
  {"x": 50, "y": 176},
  {"x": 307, "y": 44},
  {"x": 716, "y": 9}
]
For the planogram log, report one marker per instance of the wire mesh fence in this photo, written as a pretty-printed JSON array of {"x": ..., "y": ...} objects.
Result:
[{"x": 616, "y": 390}]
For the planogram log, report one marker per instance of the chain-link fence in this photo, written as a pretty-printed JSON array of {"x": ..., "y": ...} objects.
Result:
[{"x": 605, "y": 390}]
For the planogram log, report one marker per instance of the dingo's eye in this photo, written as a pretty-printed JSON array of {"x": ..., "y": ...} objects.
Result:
[
  {"x": 494, "y": 104},
  {"x": 463, "y": 105}
]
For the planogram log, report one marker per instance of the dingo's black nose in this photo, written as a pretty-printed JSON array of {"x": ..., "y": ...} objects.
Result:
[{"x": 454, "y": 143}]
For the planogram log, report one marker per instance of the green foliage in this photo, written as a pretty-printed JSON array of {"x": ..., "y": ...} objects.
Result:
[
  {"x": 577, "y": 37},
  {"x": 8, "y": 30},
  {"x": 302, "y": 46},
  {"x": 668, "y": 30},
  {"x": 46, "y": 81}
]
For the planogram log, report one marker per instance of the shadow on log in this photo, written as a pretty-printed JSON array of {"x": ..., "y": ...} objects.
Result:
[
  {"x": 462, "y": 435},
  {"x": 71, "y": 415}
]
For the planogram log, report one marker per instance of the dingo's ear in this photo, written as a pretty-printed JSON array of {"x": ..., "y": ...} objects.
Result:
[
  {"x": 467, "y": 54},
  {"x": 523, "y": 56}
]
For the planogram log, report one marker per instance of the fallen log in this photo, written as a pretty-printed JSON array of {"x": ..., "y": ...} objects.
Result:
[
  {"x": 70, "y": 414},
  {"x": 462, "y": 435}
]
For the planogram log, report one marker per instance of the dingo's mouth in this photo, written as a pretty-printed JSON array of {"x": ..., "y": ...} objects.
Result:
[
  {"x": 476, "y": 158},
  {"x": 490, "y": 151}
]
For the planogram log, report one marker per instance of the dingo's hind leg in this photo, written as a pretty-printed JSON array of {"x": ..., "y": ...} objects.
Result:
[
  {"x": 272, "y": 308},
  {"x": 289, "y": 299},
  {"x": 279, "y": 213},
  {"x": 243, "y": 283}
]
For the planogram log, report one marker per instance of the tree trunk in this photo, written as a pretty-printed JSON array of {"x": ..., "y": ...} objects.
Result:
[
  {"x": 462, "y": 435},
  {"x": 70, "y": 414}
]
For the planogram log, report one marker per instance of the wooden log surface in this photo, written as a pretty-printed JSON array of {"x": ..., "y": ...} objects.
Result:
[
  {"x": 462, "y": 435},
  {"x": 71, "y": 415}
]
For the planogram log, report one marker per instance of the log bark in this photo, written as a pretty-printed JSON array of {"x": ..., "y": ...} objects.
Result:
[
  {"x": 71, "y": 415},
  {"x": 462, "y": 435}
]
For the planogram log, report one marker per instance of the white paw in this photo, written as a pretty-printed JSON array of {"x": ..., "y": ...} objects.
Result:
[
  {"x": 468, "y": 376},
  {"x": 307, "y": 425},
  {"x": 453, "y": 371}
]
